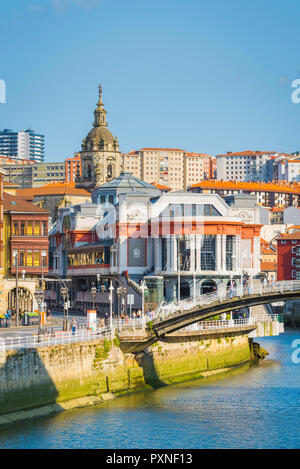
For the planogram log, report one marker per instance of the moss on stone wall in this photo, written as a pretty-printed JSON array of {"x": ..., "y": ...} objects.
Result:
[{"x": 38, "y": 377}]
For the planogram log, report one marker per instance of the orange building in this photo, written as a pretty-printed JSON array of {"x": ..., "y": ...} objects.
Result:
[
  {"x": 73, "y": 168},
  {"x": 268, "y": 194}
]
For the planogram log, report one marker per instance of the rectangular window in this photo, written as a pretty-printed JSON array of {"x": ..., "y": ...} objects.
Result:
[
  {"x": 29, "y": 228},
  {"x": 15, "y": 229},
  {"x": 22, "y": 258},
  {"x": 36, "y": 258},
  {"x": 229, "y": 250},
  {"x": 208, "y": 252},
  {"x": 29, "y": 258},
  {"x": 44, "y": 258},
  {"x": 44, "y": 229},
  {"x": 14, "y": 257},
  {"x": 22, "y": 228},
  {"x": 36, "y": 228}
]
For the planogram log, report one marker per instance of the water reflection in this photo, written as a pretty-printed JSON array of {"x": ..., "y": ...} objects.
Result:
[{"x": 247, "y": 407}]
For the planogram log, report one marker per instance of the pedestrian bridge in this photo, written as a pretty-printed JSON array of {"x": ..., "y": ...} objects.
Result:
[{"x": 170, "y": 317}]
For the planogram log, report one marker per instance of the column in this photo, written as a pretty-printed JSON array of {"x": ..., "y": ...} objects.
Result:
[
  {"x": 168, "y": 239},
  {"x": 223, "y": 253},
  {"x": 122, "y": 254},
  {"x": 174, "y": 253},
  {"x": 256, "y": 255},
  {"x": 192, "y": 253},
  {"x": 218, "y": 253},
  {"x": 237, "y": 254},
  {"x": 198, "y": 239}
]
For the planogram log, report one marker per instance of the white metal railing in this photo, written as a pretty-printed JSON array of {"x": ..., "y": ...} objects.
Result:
[
  {"x": 57, "y": 338},
  {"x": 223, "y": 294},
  {"x": 212, "y": 325}
]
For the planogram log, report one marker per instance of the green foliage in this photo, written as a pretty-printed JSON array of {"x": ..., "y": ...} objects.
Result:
[
  {"x": 149, "y": 325},
  {"x": 101, "y": 353}
]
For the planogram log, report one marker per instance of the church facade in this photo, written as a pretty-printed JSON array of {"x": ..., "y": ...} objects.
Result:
[{"x": 100, "y": 154}]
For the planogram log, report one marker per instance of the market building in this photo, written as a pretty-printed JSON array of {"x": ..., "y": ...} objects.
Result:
[{"x": 180, "y": 243}]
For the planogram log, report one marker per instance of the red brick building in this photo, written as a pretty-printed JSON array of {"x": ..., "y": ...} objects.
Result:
[{"x": 288, "y": 256}]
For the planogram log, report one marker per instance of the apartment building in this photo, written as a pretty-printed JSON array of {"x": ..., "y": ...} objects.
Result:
[
  {"x": 244, "y": 166},
  {"x": 171, "y": 167},
  {"x": 24, "y": 144}
]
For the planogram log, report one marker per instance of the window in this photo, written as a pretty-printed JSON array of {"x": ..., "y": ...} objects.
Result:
[
  {"x": 22, "y": 258},
  {"x": 16, "y": 229},
  {"x": 22, "y": 228},
  {"x": 36, "y": 228},
  {"x": 283, "y": 241},
  {"x": 14, "y": 257},
  {"x": 36, "y": 258},
  {"x": 208, "y": 250},
  {"x": 29, "y": 228},
  {"x": 44, "y": 258},
  {"x": 44, "y": 228},
  {"x": 29, "y": 258},
  {"x": 229, "y": 250}
]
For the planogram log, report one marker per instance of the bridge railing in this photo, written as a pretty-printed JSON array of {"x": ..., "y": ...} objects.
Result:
[
  {"x": 58, "y": 338},
  {"x": 212, "y": 325},
  {"x": 223, "y": 294}
]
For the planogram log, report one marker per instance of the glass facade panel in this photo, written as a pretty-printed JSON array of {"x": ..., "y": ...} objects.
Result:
[{"x": 208, "y": 252}]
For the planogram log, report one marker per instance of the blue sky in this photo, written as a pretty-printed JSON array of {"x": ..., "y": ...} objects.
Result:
[{"x": 205, "y": 76}]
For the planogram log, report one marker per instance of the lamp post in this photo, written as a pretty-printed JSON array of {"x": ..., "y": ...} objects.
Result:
[
  {"x": 93, "y": 293},
  {"x": 44, "y": 255},
  {"x": 111, "y": 289},
  {"x": 16, "y": 257},
  {"x": 65, "y": 294},
  {"x": 143, "y": 287}
]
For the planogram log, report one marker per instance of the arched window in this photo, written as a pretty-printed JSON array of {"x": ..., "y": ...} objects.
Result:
[
  {"x": 89, "y": 171},
  {"x": 109, "y": 171}
]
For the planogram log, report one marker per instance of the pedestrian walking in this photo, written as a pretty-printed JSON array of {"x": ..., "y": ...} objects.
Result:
[
  {"x": 265, "y": 282},
  {"x": 74, "y": 325}
]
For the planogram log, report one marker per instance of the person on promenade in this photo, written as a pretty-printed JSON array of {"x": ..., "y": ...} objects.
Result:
[
  {"x": 231, "y": 289},
  {"x": 265, "y": 282}
]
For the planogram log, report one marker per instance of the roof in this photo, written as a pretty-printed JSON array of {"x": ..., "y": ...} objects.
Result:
[
  {"x": 12, "y": 203},
  {"x": 191, "y": 154},
  {"x": 161, "y": 186},
  {"x": 126, "y": 180},
  {"x": 247, "y": 153},
  {"x": 295, "y": 235},
  {"x": 58, "y": 188},
  {"x": 248, "y": 186},
  {"x": 161, "y": 149}
]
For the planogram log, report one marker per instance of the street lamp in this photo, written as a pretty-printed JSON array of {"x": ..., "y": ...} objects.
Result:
[
  {"x": 93, "y": 293},
  {"x": 16, "y": 257},
  {"x": 121, "y": 292},
  {"x": 143, "y": 287},
  {"x": 65, "y": 294},
  {"x": 111, "y": 289},
  {"x": 44, "y": 255}
]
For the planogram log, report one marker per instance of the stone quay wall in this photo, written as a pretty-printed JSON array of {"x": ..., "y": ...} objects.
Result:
[{"x": 33, "y": 378}]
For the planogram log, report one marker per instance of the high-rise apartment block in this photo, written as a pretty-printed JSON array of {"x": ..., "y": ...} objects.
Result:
[
  {"x": 22, "y": 144},
  {"x": 170, "y": 167},
  {"x": 248, "y": 166}
]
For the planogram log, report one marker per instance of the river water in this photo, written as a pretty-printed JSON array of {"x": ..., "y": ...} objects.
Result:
[{"x": 249, "y": 407}]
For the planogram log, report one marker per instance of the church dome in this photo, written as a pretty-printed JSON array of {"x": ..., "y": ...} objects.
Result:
[{"x": 99, "y": 134}]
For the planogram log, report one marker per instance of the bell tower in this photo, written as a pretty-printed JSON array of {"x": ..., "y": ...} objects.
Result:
[{"x": 100, "y": 154}]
